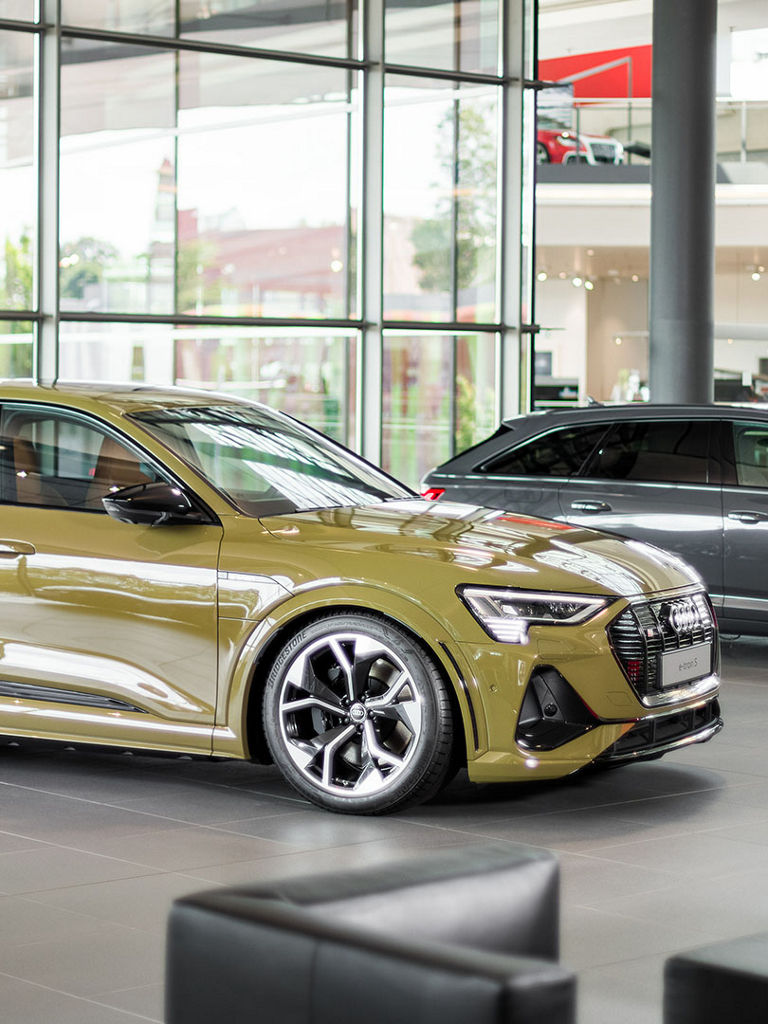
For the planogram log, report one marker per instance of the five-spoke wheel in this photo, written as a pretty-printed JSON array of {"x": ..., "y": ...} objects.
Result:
[{"x": 357, "y": 715}]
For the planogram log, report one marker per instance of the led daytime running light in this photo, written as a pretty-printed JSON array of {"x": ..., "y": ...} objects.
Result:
[{"x": 507, "y": 614}]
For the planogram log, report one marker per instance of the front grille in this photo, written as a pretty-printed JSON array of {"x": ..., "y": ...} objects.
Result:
[
  {"x": 604, "y": 152},
  {"x": 643, "y": 632}
]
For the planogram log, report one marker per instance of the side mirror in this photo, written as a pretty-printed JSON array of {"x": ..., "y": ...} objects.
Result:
[{"x": 153, "y": 504}]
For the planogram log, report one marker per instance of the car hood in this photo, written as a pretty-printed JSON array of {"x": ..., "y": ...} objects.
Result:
[{"x": 418, "y": 542}]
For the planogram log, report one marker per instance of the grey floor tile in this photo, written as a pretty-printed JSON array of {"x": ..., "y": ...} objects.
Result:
[
  {"x": 147, "y": 1001},
  {"x": 10, "y": 843},
  {"x": 29, "y": 1003},
  {"x": 70, "y": 818},
  {"x": 597, "y": 938},
  {"x": 589, "y": 879},
  {"x": 53, "y": 867},
  {"x": 25, "y": 921},
  {"x": 179, "y": 849},
  {"x": 690, "y": 857},
  {"x": 107, "y": 958},
  {"x": 141, "y": 903},
  {"x": 198, "y": 803},
  {"x": 631, "y": 995}
]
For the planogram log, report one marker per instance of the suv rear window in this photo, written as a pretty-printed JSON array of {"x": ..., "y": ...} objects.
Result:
[
  {"x": 557, "y": 453},
  {"x": 674, "y": 451}
]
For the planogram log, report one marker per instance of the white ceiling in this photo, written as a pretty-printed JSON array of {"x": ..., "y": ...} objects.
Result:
[{"x": 587, "y": 26}]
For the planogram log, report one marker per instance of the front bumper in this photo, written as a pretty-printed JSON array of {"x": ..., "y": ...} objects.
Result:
[
  {"x": 655, "y": 736},
  {"x": 563, "y": 701}
]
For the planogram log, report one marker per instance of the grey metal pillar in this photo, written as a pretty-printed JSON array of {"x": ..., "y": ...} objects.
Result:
[
  {"x": 683, "y": 203},
  {"x": 47, "y": 348},
  {"x": 370, "y": 377}
]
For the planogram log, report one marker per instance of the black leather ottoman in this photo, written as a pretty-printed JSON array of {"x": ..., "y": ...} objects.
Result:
[
  {"x": 463, "y": 936},
  {"x": 725, "y": 983}
]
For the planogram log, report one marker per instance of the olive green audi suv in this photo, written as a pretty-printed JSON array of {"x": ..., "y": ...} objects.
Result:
[{"x": 188, "y": 572}]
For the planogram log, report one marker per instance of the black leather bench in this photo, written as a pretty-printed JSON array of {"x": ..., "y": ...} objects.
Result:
[
  {"x": 468, "y": 935},
  {"x": 719, "y": 984}
]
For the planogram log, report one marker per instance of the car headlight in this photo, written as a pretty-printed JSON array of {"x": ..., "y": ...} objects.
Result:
[{"x": 507, "y": 614}]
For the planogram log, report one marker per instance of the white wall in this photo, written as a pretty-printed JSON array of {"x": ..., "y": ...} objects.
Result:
[{"x": 563, "y": 308}]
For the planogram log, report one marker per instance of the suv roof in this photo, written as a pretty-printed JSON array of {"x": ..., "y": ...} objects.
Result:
[{"x": 637, "y": 410}]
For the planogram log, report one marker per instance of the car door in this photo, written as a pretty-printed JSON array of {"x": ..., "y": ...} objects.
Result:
[
  {"x": 527, "y": 477},
  {"x": 107, "y": 629},
  {"x": 745, "y": 512},
  {"x": 656, "y": 481}
]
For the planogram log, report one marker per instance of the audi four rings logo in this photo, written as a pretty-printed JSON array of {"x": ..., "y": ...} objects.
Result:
[{"x": 683, "y": 618}]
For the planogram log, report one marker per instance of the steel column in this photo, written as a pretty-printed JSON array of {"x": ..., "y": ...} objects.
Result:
[
  {"x": 683, "y": 203},
  {"x": 47, "y": 348},
  {"x": 370, "y": 363}
]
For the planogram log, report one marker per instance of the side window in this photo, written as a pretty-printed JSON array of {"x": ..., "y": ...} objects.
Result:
[
  {"x": 750, "y": 442},
  {"x": 56, "y": 459},
  {"x": 556, "y": 453},
  {"x": 671, "y": 451}
]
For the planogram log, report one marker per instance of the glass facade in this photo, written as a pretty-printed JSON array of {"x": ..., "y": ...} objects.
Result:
[
  {"x": 440, "y": 395},
  {"x": 204, "y": 194}
]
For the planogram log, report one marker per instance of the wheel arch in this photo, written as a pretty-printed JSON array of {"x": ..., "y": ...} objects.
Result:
[{"x": 264, "y": 657}]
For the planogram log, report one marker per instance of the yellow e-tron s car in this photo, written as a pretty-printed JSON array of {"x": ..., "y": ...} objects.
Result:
[{"x": 189, "y": 572}]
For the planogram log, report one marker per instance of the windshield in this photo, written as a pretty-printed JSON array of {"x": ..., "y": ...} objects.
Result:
[{"x": 266, "y": 463}]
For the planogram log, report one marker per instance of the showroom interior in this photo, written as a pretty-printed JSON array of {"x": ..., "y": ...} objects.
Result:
[{"x": 349, "y": 212}]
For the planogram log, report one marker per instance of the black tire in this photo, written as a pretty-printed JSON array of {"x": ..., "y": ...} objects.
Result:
[
  {"x": 357, "y": 716},
  {"x": 542, "y": 154}
]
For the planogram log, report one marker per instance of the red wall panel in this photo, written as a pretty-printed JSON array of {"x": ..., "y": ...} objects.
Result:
[{"x": 608, "y": 84}]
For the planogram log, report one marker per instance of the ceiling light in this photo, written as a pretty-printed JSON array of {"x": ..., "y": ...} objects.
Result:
[
  {"x": 541, "y": 276},
  {"x": 617, "y": 340},
  {"x": 562, "y": 275},
  {"x": 589, "y": 285},
  {"x": 756, "y": 275},
  {"x": 635, "y": 278},
  {"x": 577, "y": 282}
]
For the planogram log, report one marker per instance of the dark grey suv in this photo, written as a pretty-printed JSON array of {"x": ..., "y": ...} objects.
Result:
[{"x": 691, "y": 479}]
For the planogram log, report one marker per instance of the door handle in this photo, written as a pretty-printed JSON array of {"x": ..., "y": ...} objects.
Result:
[
  {"x": 590, "y": 506},
  {"x": 15, "y": 548},
  {"x": 748, "y": 516}
]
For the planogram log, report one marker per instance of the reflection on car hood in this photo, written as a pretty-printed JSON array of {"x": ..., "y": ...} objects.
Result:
[{"x": 487, "y": 547}]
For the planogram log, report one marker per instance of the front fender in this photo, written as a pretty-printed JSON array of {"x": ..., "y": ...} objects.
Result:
[{"x": 247, "y": 649}]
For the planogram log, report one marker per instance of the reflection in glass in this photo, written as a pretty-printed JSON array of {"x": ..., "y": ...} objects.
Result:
[
  {"x": 416, "y": 413},
  {"x": 264, "y": 223},
  {"x": 17, "y": 339},
  {"x": 328, "y": 29},
  {"x": 453, "y": 35},
  {"x": 439, "y": 397},
  {"x": 310, "y": 377},
  {"x": 18, "y": 217},
  {"x": 116, "y": 352},
  {"x": 18, "y": 10},
  {"x": 265, "y": 463},
  {"x": 117, "y": 180},
  {"x": 440, "y": 201},
  {"x": 475, "y": 389},
  {"x": 155, "y": 18}
]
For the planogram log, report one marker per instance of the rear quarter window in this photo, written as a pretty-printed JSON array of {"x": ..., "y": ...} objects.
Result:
[
  {"x": 667, "y": 451},
  {"x": 557, "y": 453}
]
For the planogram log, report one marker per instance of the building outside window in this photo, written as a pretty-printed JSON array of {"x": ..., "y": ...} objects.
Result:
[{"x": 321, "y": 208}]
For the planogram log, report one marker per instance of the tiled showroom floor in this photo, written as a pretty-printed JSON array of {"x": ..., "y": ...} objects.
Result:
[{"x": 655, "y": 858}]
